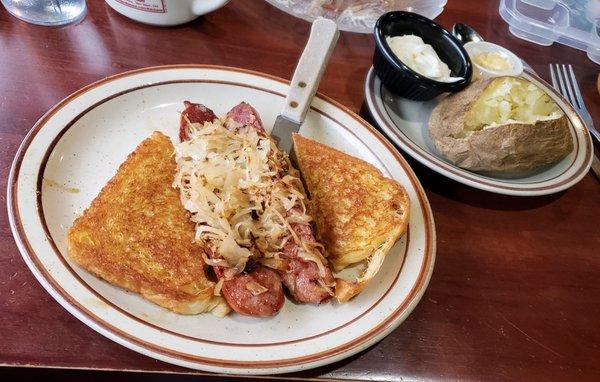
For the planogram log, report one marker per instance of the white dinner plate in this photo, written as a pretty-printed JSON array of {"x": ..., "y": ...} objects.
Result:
[
  {"x": 76, "y": 147},
  {"x": 405, "y": 122}
]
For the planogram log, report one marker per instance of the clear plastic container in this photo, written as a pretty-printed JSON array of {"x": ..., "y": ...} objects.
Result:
[
  {"x": 571, "y": 22},
  {"x": 356, "y": 15}
]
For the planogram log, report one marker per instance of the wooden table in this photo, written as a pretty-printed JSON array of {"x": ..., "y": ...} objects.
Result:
[{"x": 515, "y": 292}]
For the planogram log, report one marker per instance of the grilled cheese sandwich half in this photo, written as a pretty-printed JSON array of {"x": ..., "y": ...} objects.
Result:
[
  {"x": 137, "y": 235},
  {"x": 359, "y": 213}
]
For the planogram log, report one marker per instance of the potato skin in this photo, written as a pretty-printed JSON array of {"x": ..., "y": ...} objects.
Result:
[{"x": 515, "y": 147}]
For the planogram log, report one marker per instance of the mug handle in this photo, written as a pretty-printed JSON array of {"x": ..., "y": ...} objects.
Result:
[{"x": 202, "y": 7}]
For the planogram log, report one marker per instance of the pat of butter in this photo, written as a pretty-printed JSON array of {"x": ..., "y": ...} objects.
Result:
[
  {"x": 494, "y": 61},
  {"x": 420, "y": 57}
]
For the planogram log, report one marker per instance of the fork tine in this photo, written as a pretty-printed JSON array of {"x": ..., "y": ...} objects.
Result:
[
  {"x": 576, "y": 87},
  {"x": 559, "y": 81},
  {"x": 553, "y": 76},
  {"x": 569, "y": 88},
  {"x": 563, "y": 89}
]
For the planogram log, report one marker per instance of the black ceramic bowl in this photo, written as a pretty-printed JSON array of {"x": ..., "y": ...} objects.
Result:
[{"x": 402, "y": 80}]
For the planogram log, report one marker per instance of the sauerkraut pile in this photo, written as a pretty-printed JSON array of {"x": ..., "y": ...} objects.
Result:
[{"x": 244, "y": 197}]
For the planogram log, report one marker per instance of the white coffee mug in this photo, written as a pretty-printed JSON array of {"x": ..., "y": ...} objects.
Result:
[{"x": 165, "y": 12}]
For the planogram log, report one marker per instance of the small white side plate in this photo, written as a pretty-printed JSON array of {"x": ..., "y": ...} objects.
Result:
[{"x": 405, "y": 122}]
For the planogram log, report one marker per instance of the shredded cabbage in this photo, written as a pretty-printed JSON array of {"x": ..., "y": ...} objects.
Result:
[
  {"x": 255, "y": 288},
  {"x": 243, "y": 194}
]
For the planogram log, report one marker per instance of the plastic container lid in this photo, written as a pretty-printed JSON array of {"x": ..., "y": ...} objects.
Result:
[
  {"x": 356, "y": 15},
  {"x": 571, "y": 22}
]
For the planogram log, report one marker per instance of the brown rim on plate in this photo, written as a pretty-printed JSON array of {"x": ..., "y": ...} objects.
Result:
[
  {"x": 431, "y": 161},
  {"x": 127, "y": 339}
]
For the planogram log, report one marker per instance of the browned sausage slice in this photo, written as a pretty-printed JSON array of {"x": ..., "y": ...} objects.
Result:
[
  {"x": 303, "y": 279},
  {"x": 241, "y": 299},
  {"x": 303, "y": 282},
  {"x": 244, "y": 115},
  {"x": 195, "y": 113}
]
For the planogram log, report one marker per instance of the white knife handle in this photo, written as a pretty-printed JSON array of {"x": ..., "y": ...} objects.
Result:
[{"x": 310, "y": 68}]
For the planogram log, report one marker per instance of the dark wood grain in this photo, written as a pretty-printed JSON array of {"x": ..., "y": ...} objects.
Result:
[{"x": 515, "y": 293}]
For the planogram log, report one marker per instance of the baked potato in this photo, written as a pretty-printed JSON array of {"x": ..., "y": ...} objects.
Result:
[{"x": 503, "y": 124}]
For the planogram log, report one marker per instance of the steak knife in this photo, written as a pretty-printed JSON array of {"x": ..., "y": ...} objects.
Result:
[{"x": 305, "y": 81}]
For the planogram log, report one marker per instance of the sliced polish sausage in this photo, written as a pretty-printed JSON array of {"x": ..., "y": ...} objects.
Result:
[
  {"x": 242, "y": 300},
  {"x": 194, "y": 113},
  {"x": 240, "y": 297},
  {"x": 244, "y": 115},
  {"x": 303, "y": 279}
]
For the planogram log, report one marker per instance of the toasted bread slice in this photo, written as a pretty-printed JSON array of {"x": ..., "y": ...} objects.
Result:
[
  {"x": 137, "y": 235},
  {"x": 359, "y": 213}
]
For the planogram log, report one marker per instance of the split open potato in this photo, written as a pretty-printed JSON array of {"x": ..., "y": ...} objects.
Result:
[{"x": 503, "y": 124}]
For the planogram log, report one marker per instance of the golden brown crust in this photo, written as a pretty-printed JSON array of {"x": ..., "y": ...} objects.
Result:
[
  {"x": 358, "y": 211},
  {"x": 137, "y": 235}
]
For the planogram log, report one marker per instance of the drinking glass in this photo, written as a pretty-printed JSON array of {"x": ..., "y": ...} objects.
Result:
[{"x": 47, "y": 12}]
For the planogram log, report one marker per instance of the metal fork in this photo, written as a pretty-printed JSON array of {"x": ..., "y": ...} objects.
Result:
[{"x": 564, "y": 80}]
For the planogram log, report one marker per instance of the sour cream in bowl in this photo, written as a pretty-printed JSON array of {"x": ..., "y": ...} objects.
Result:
[
  {"x": 417, "y": 59},
  {"x": 420, "y": 57}
]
